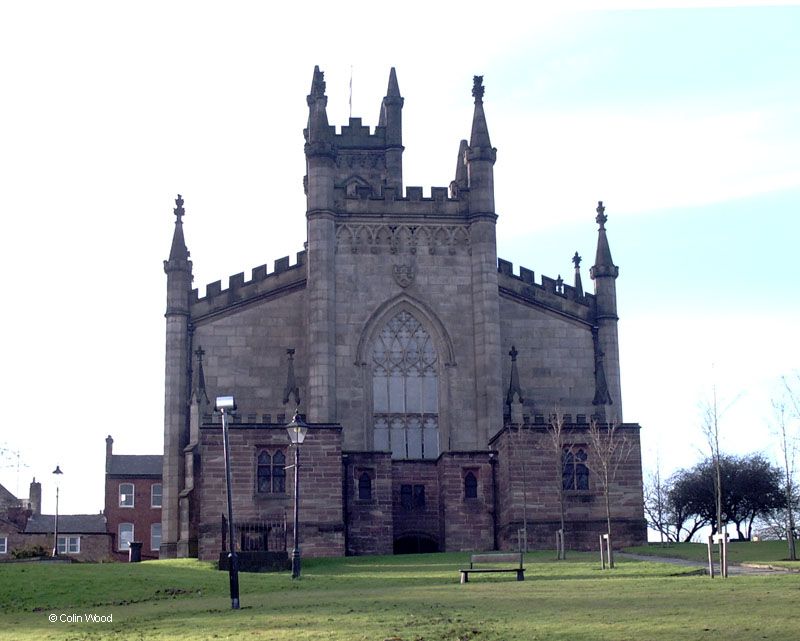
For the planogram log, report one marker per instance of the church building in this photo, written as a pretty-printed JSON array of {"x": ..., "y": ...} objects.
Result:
[{"x": 431, "y": 375}]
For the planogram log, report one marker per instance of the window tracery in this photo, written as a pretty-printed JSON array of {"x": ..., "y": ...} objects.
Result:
[{"x": 405, "y": 390}]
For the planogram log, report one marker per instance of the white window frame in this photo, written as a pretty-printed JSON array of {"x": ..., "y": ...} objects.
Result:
[
  {"x": 69, "y": 544},
  {"x": 153, "y": 547},
  {"x": 132, "y": 495},
  {"x": 124, "y": 543},
  {"x": 3, "y": 545},
  {"x": 160, "y": 494}
]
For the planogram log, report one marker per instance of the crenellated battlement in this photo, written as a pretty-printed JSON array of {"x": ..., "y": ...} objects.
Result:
[
  {"x": 552, "y": 293},
  {"x": 356, "y": 135},
  {"x": 355, "y": 196},
  {"x": 261, "y": 284}
]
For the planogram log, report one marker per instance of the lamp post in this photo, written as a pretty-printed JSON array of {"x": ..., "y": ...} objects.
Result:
[
  {"x": 297, "y": 433},
  {"x": 225, "y": 405},
  {"x": 58, "y": 473}
]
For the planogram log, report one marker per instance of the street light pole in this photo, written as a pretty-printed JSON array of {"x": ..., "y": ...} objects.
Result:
[
  {"x": 58, "y": 473},
  {"x": 225, "y": 405},
  {"x": 297, "y": 433}
]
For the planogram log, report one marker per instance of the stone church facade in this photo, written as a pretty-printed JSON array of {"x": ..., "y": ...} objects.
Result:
[{"x": 428, "y": 371}]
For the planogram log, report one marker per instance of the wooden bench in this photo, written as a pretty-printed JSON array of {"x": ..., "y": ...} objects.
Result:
[{"x": 494, "y": 558}]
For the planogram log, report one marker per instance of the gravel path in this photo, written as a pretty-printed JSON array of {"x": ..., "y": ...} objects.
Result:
[{"x": 733, "y": 569}]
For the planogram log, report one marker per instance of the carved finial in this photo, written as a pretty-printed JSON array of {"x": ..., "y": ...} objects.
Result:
[
  {"x": 514, "y": 388},
  {"x": 560, "y": 284},
  {"x": 199, "y": 389},
  {"x": 291, "y": 389},
  {"x": 179, "y": 211},
  {"x": 477, "y": 88},
  {"x": 576, "y": 260},
  {"x": 602, "y": 395},
  {"x": 318, "y": 83},
  {"x": 601, "y": 215}
]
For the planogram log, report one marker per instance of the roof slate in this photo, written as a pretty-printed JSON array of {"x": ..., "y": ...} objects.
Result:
[
  {"x": 67, "y": 524},
  {"x": 6, "y": 497},
  {"x": 136, "y": 465}
]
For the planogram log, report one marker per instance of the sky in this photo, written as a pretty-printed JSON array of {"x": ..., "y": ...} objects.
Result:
[{"x": 684, "y": 118}]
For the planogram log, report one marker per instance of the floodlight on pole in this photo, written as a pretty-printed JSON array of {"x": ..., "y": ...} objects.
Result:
[{"x": 225, "y": 405}]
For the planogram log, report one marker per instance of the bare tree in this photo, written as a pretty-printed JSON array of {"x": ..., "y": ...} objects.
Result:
[
  {"x": 711, "y": 432},
  {"x": 610, "y": 449},
  {"x": 788, "y": 448},
  {"x": 556, "y": 431},
  {"x": 656, "y": 505}
]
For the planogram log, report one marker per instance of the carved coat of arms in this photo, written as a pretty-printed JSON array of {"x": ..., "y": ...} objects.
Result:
[{"x": 403, "y": 274}]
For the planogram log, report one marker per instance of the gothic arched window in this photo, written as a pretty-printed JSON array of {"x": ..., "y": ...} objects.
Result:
[
  {"x": 575, "y": 472},
  {"x": 405, "y": 390},
  {"x": 279, "y": 473},
  {"x": 470, "y": 486},
  {"x": 364, "y": 487},
  {"x": 271, "y": 472},
  {"x": 264, "y": 472}
]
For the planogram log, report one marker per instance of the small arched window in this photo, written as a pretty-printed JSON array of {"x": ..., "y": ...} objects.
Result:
[
  {"x": 470, "y": 486},
  {"x": 264, "y": 473},
  {"x": 270, "y": 472},
  {"x": 364, "y": 487},
  {"x": 279, "y": 473}
]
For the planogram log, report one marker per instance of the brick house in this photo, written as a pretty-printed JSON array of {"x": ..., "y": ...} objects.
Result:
[
  {"x": 83, "y": 537},
  {"x": 80, "y": 536},
  {"x": 427, "y": 369},
  {"x": 13, "y": 517},
  {"x": 133, "y": 501}
]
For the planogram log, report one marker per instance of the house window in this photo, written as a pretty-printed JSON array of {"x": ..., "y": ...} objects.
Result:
[
  {"x": 470, "y": 486},
  {"x": 364, "y": 487},
  {"x": 575, "y": 472},
  {"x": 271, "y": 472},
  {"x": 69, "y": 545},
  {"x": 126, "y": 494},
  {"x": 125, "y": 536},
  {"x": 3, "y": 545},
  {"x": 405, "y": 390},
  {"x": 155, "y": 537},
  {"x": 155, "y": 495},
  {"x": 412, "y": 497}
]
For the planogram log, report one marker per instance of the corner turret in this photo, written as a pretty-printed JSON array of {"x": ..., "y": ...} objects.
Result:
[
  {"x": 604, "y": 273},
  {"x": 481, "y": 157},
  {"x": 321, "y": 155},
  {"x": 391, "y": 119},
  {"x": 483, "y": 244},
  {"x": 176, "y": 386}
]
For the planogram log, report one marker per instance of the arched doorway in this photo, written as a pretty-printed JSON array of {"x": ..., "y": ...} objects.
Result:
[{"x": 415, "y": 544}]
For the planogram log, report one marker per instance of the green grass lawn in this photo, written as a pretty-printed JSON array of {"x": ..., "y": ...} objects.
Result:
[
  {"x": 401, "y": 598},
  {"x": 762, "y": 552}
]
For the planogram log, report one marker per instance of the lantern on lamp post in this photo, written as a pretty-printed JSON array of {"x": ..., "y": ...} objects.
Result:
[
  {"x": 297, "y": 433},
  {"x": 58, "y": 474}
]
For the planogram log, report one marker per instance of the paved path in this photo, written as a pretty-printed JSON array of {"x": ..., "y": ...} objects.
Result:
[{"x": 733, "y": 569}]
